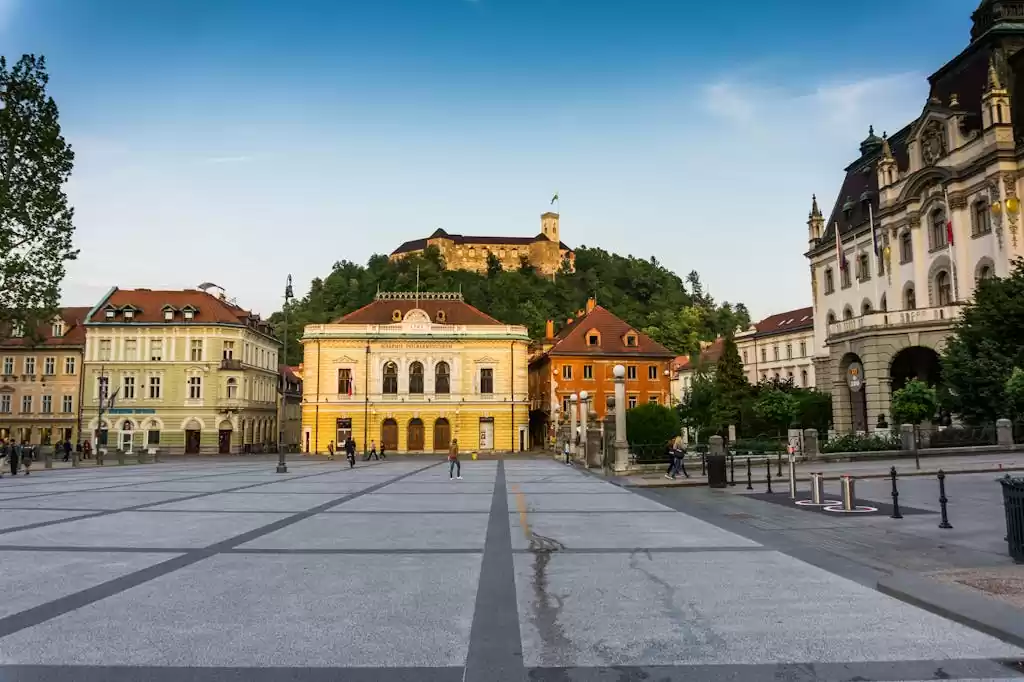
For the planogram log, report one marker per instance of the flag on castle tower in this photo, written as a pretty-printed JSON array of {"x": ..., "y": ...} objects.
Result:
[
  {"x": 554, "y": 198},
  {"x": 840, "y": 254}
]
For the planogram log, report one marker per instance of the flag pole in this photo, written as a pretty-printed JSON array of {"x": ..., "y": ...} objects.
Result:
[
  {"x": 949, "y": 245},
  {"x": 878, "y": 255}
]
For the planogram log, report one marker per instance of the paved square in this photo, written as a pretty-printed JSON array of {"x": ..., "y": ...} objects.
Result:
[{"x": 525, "y": 569}]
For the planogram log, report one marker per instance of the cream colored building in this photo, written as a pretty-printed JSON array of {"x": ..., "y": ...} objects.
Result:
[
  {"x": 780, "y": 347},
  {"x": 412, "y": 373},
  {"x": 882, "y": 320},
  {"x": 40, "y": 381},
  {"x": 189, "y": 372}
]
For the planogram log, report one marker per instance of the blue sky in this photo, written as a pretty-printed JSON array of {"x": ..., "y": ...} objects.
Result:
[{"x": 237, "y": 141}]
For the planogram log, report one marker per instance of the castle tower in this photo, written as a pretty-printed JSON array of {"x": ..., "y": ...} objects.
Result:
[
  {"x": 549, "y": 226},
  {"x": 995, "y": 103},
  {"x": 815, "y": 223}
]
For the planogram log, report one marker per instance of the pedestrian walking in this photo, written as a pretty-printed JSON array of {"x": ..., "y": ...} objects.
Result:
[
  {"x": 27, "y": 455},
  {"x": 330, "y": 450},
  {"x": 4, "y": 454},
  {"x": 372, "y": 454},
  {"x": 453, "y": 460},
  {"x": 373, "y": 448},
  {"x": 565, "y": 450},
  {"x": 350, "y": 452},
  {"x": 14, "y": 458},
  {"x": 87, "y": 450},
  {"x": 677, "y": 455},
  {"x": 383, "y": 455},
  {"x": 67, "y": 449}
]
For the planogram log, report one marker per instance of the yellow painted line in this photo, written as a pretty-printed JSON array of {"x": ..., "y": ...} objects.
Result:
[{"x": 521, "y": 503}]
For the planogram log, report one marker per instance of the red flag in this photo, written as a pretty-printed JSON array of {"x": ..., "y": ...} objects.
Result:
[{"x": 949, "y": 232}]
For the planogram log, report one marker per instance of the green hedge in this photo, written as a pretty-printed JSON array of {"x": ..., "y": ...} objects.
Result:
[{"x": 853, "y": 443}]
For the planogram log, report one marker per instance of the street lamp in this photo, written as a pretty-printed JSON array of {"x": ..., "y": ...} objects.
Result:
[
  {"x": 584, "y": 409},
  {"x": 282, "y": 468}
]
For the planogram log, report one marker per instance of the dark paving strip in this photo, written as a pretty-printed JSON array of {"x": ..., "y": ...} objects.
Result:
[
  {"x": 185, "y": 550},
  {"x": 97, "y": 550},
  {"x": 146, "y": 505},
  {"x": 495, "y": 646},
  {"x": 53, "y": 673},
  {"x": 58, "y": 607},
  {"x": 774, "y": 672},
  {"x": 642, "y": 550}
]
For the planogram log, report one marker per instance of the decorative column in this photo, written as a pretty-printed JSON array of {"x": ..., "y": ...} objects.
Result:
[
  {"x": 621, "y": 444},
  {"x": 572, "y": 423},
  {"x": 581, "y": 451}
]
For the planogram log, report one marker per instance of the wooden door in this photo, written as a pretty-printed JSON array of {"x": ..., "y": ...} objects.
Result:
[
  {"x": 224, "y": 441},
  {"x": 192, "y": 438},
  {"x": 442, "y": 435},
  {"x": 389, "y": 435},
  {"x": 486, "y": 434},
  {"x": 415, "y": 443}
]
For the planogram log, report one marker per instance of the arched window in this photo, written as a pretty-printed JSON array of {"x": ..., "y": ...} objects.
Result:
[
  {"x": 390, "y": 378},
  {"x": 803, "y": 378},
  {"x": 830, "y": 281},
  {"x": 985, "y": 272},
  {"x": 847, "y": 313},
  {"x": 909, "y": 299},
  {"x": 943, "y": 288},
  {"x": 232, "y": 388},
  {"x": 938, "y": 228},
  {"x": 865, "y": 308},
  {"x": 906, "y": 247},
  {"x": 416, "y": 377},
  {"x": 442, "y": 378},
  {"x": 831, "y": 319}
]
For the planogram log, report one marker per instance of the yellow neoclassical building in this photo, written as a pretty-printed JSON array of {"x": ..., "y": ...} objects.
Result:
[
  {"x": 189, "y": 372},
  {"x": 411, "y": 372}
]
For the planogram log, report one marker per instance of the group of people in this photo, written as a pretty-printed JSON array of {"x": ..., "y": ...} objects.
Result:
[
  {"x": 15, "y": 455},
  {"x": 677, "y": 458},
  {"x": 349, "y": 447}
]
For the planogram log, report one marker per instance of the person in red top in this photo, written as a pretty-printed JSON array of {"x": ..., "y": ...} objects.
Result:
[{"x": 453, "y": 460}]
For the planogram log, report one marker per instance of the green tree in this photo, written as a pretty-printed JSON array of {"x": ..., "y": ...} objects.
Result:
[
  {"x": 494, "y": 267},
  {"x": 1015, "y": 393},
  {"x": 987, "y": 343},
  {"x": 36, "y": 221},
  {"x": 914, "y": 403},
  {"x": 731, "y": 384},
  {"x": 680, "y": 331},
  {"x": 697, "y": 408},
  {"x": 777, "y": 408},
  {"x": 651, "y": 424}
]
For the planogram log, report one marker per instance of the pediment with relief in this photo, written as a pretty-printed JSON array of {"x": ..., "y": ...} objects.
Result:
[
  {"x": 932, "y": 139},
  {"x": 488, "y": 360},
  {"x": 344, "y": 360}
]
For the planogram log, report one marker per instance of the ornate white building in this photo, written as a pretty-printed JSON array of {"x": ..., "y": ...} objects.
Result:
[{"x": 882, "y": 319}]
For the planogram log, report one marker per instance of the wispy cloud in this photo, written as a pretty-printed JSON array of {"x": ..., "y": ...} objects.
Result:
[
  {"x": 226, "y": 159},
  {"x": 8, "y": 8}
]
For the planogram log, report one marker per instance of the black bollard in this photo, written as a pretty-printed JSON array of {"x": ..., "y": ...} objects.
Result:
[
  {"x": 732, "y": 468},
  {"x": 703, "y": 464},
  {"x": 942, "y": 500},
  {"x": 750, "y": 480},
  {"x": 895, "y": 496},
  {"x": 768, "y": 473},
  {"x": 778, "y": 472}
]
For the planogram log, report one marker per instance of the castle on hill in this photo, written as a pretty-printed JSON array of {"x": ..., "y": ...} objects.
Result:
[{"x": 545, "y": 252}]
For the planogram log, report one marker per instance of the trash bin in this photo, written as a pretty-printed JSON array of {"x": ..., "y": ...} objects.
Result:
[
  {"x": 1013, "y": 503},
  {"x": 717, "y": 477}
]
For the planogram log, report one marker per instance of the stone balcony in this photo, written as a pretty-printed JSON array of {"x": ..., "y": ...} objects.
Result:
[{"x": 895, "y": 320}]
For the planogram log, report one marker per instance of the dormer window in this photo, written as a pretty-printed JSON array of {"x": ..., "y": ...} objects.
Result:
[
  {"x": 593, "y": 338},
  {"x": 631, "y": 340},
  {"x": 168, "y": 315},
  {"x": 58, "y": 330},
  {"x": 441, "y": 317},
  {"x": 110, "y": 313},
  {"x": 17, "y": 331},
  {"x": 189, "y": 314},
  {"x": 129, "y": 314}
]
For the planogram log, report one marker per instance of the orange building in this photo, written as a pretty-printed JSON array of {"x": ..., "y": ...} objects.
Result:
[{"x": 580, "y": 357}]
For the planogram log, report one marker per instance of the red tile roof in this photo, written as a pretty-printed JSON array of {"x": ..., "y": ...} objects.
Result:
[
  {"x": 150, "y": 303},
  {"x": 572, "y": 340},
  {"x": 782, "y": 323},
  {"x": 74, "y": 332},
  {"x": 455, "y": 311},
  {"x": 709, "y": 355}
]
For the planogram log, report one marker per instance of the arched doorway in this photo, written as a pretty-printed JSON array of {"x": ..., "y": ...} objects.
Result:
[
  {"x": 389, "y": 435},
  {"x": 915, "y": 362},
  {"x": 442, "y": 435},
  {"x": 415, "y": 440},
  {"x": 224, "y": 432},
  {"x": 193, "y": 437},
  {"x": 853, "y": 376},
  {"x": 127, "y": 436}
]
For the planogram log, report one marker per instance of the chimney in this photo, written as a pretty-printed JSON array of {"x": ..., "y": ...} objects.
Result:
[
  {"x": 591, "y": 304},
  {"x": 549, "y": 330}
]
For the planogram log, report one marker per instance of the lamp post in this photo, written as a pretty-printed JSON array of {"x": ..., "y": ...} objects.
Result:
[
  {"x": 621, "y": 445},
  {"x": 573, "y": 399},
  {"x": 282, "y": 468},
  {"x": 584, "y": 408}
]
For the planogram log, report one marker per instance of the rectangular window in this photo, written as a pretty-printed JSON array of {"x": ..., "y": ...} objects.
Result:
[
  {"x": 196, "y": 353},
  {"x": 154, "y": 388},
  {"x": 653, "y": 399},
  {"x": 567, "y": 371},
  {"x": 487, "y": 381},
  {"x": 153, "y": 437},
  {"x": 69, "y": 364},
  {"x": 195, "y": 388},
  {"x": 565, "y": 404},
  {"x": 789, "y": 351},
  {"x": 229, "y": 350},
  {"x": 30, "y": 365},
  {"x": 845, "y": 277},
  {"x": 775, "y": 352},
  {"x": 803, "y": 349},
  {"x": 8, "y": 365},
  {"x": 830, "y": 283},
  {"x": 50, "y": 366},
  {"x": 631, "y": 372},
  {"x": 345, "y": 381},
  {"x": 156, "y": 350},
  {"x": 593, "y": 339},
  {"x": 26, "y": 403},
  {"x": 764, "y": 355},
  {"x": 5, "y": 403},
  {"x": 104, "y": 349},
  {"x": 66, "y": 404},
  {"x": 652, "y": 372},
  {"x": 982, "y": 218},
  {"x": 128, "y": 392},
  {"x": 131, "y": 350},
  {"x": 588, "y": 371},
  {"x": 632, "y": 401},
  {"x": 47, "y": 404}
]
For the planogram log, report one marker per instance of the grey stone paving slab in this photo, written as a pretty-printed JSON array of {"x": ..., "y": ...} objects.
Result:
[
  {"x": 185, "y": 486},
  {"x": 444, "y": 486},
  {"x": 272, "y": 611},
  {"x": 97, "y": 500},
  {"x": 29, "y": 578},
  {"x": 335, "y": 489},
  {"x": 569, "y": 486},
  {"x": 720, "y": 608},
  {"x": 14, "y": 519},
  {"x": 280, "y": 502},
  {"x": 542, "y": 502},
  {"x": 379, "y": 531},
  {"x": 139, "y": 529},
  {"x": 383, "y": 502},
  {"x": 14, "y": 496},
  {"x": 618, "y": 530}
]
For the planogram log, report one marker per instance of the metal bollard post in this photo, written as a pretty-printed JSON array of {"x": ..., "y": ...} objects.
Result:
[
  {"x": 792, "y": 477},
  {"x": 47, "y": 460},
  {"x": 120, "y": 458},
  {"x": 778, "y": 472},
  {"x": 732, "y": 468},
  {"x": 895, "y": 496},
  {"x": 942, "y": 500},
  {"x": 74, "y": 458},
  {"x": 849, "y": 495},
  {"x": 750, "y": 481},
  {"x": 703, "y": 464},
  {"x": 768, "y": 473},
  {"x": 817, "y": 488}
]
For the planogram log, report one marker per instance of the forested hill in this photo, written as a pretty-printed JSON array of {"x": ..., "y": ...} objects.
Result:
[{"x": 676, "y": 313}]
